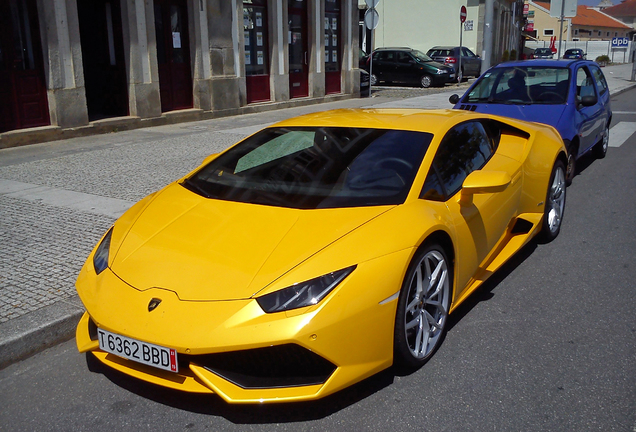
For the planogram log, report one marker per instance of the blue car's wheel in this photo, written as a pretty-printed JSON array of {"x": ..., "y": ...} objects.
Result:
[
  {"x": 570, "y": 169},
  {"x": 600, "y": 148}
]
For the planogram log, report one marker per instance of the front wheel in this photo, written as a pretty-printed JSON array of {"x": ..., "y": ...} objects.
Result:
[
  {"x": 600, "y": 148},
  {"x": 554, "y": 204},
  {"x": 373, "y": 79},
  {"x": 426, "y": 81},
  {"x": 422, "y": 312}
]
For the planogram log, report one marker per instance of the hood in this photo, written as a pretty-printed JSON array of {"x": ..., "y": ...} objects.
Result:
[
  {"x": 546, "y": 114},
  {"x": 205, "y": 249}
]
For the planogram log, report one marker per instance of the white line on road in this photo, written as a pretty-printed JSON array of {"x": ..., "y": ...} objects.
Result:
[
  {"x": 65, "y": 198},
  {"x": 621, "y": 132}
]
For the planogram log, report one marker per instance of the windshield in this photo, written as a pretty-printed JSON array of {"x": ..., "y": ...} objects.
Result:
[
  {"x": 543, "y": 51},
  {"x": 308, "y": 168},
  {"x": 421, "y": 56},
  {"x": 522, "y": 85}
]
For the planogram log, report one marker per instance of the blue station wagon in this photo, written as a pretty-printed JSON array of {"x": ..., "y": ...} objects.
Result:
[{"x": 571, "y": 95}]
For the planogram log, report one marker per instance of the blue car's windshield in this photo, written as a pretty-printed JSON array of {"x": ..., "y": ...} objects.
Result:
[{"x": 522, "y": 85}]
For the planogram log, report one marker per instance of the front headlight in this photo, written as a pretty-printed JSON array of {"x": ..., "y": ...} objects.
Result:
[
  {"x": 100, "y": 259},
  {"x": 304, "y": 293},
  {"x": 441, "y": 71}
]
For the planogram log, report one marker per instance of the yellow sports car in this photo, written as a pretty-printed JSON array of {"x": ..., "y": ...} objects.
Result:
[{"x": 318, "y": 251}]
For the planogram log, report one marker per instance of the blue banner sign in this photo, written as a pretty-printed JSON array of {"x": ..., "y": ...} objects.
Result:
[{"x": 619, "y": 42}]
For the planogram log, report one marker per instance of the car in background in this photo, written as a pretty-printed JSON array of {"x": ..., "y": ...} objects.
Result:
[
  {"x": 365, "y": 83},
  {"x": 363, "y": 58},
  {"x": 317, "y": 252},
  {"x": 542, "y": 53},
  {"x": 407, "y": 65},
  {"x": 571, "y": 95},
  {"x": 448, "y": 55},
  {"x": 574, "y": 53}
]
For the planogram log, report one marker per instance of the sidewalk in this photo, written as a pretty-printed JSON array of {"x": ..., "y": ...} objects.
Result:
[{"x": 58, "y": 198}]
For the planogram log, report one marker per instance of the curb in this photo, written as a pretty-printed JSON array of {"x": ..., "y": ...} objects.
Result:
[{"x": 29, "y": 334}]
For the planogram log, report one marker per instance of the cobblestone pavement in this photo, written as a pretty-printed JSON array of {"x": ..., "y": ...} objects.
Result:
[{"x": 398, "y": 92}]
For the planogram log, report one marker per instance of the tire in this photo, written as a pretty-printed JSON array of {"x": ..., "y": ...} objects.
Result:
[
  {"x": 373, "y": 80},
  {"x": 421, "y": 317},
  {"x": 426, "y": 81},
  {"x": 600, "y": 148},
  {"x": 570, "y": 171},
  {"x": 554, "y": 207}
]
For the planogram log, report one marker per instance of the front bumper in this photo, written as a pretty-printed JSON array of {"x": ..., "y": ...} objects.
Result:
[{"x": 302, "y": 354}]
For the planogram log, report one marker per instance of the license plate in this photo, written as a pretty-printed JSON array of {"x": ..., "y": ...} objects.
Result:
[{"x": 142, "y": 352}]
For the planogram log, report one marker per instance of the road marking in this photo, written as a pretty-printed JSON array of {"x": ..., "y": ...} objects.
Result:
[
  {"x": 65, "y": 198},
  {"x": 621, "y": 133},
  {"x": 624, "y": 112}
]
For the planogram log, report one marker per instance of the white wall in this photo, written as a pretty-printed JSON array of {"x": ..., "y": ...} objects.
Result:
[{"x": 593, "y": 49}]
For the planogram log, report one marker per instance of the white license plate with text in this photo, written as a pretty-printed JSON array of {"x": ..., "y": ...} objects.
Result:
[{"x": 142, "y": 352}]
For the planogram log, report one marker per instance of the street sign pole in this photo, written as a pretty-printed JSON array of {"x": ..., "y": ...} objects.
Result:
[
  {"x": 462, "y": 19},
  {"x": 561, "y": 30},
  {"x": 371, "y": 19}
]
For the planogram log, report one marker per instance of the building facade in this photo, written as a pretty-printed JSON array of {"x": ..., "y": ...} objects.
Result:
[
  {"x": 71, "y": 63},
  {"x": 589, "y": 24},
  {"x": 423, "y": 24}
]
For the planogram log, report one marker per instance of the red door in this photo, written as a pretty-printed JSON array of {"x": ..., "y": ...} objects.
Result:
[
  {"x": 298, "y": 52},
  {"x": 173, "y": 54},
  {"x": 332, "y": 47},
  {"x": 23, "y": 100},
  {"x": 256, "y": 51}
]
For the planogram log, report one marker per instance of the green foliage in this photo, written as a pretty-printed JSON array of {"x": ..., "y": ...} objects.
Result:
[
  {"x": 513, "y": 55},
  {"x": 506, "y": 56},
  {"x": 602, "y": 60}
]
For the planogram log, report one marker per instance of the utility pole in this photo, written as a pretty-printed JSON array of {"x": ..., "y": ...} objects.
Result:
[{"x": 486, "y": 53}]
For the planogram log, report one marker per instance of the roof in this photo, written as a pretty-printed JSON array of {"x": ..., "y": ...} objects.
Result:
[
  {"x": 624, "y": 9},
  {"x": 541, "y": 63},
  {"x": 586, "y": 16},
  {"x": 593, "y": 18}
]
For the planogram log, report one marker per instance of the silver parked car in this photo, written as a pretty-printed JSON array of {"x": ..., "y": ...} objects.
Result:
[{"x": 448, "y": 55}]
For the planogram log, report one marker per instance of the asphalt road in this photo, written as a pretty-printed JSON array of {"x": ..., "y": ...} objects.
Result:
[{"x": 548, "y": 344}]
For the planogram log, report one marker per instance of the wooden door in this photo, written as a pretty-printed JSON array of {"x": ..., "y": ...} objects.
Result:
[
  {"x": 298, "y": 51},
  {"x": 173, "y": 54},
  {"x": 23, "y": 98}
]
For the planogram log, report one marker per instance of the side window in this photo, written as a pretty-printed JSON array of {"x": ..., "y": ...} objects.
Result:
[
  {"x": 600, "y": 79},
  {"x": 403, "y": 57},
  {"x": 584, "y": 83},
  {"x": 465, "y": 148},
  {"x": 467, "y": 52}
]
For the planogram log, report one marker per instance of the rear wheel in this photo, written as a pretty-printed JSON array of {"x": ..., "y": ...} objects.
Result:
[
  {"x": 570, "y": 170},
  {"x": 426, "y": 81},
  {"x": 420, "y": 322},
  {"x": 600, "y": 148},
  {"x": 554, "y": 203}
]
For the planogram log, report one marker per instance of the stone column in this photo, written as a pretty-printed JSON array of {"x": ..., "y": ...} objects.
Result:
[
  {"x": 138, "y": 26},
  {"x": 218, "y": 83},
  {"x": 62, "y": 52},
  {"x": 277, "y": 12}
]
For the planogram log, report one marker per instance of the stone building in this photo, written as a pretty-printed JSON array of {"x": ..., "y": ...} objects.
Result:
[{"x": 72, "y": 64}]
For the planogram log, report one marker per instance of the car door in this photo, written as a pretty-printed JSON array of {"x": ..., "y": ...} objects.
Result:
[
  {"x": 384, "y": 65},
  {"x": 591, "y": 120},
  {"x": 405, "y": 68},
  {"x": 473, "y": 63},
  {"x": 480, "y": 225}
]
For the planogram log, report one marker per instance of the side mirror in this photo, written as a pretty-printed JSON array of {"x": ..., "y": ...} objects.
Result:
[
  {"x": 453, "y": 99},
  {"x": 483, "y": 182},
  {"x": 587, "y": 101}
]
